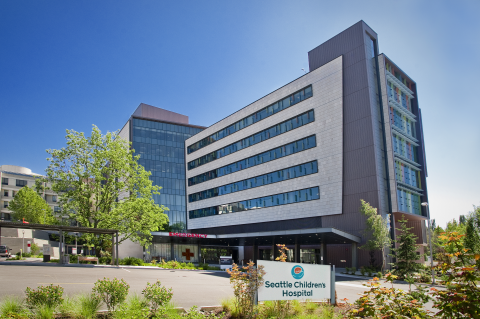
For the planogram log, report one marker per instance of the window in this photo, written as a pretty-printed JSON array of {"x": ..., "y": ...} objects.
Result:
[
  {"x": 21, "y": 183},
  {"x": 249, "y": 120},
  {"x": 54, "y": 198},
  {"x": 273, "y": 177},
  {"x": 273, "y": 154},
  {"x": 5, "y": 204},
  {"x": 303, "y": 195},
  {"x": 5, "y": 193},
  {"x": 14, "y": 193},
  {"x": 266, "y": 134},
  {"x": 57, "y": 209},
  {"x": 4, "y": 181}
]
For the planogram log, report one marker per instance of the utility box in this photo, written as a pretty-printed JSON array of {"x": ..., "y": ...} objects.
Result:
[{"x": 66, "y": 259}]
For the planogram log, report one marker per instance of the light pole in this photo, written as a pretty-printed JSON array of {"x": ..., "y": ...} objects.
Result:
[
  {"x": 23, "y": 243},
  {"x": 425, "y": 204}
]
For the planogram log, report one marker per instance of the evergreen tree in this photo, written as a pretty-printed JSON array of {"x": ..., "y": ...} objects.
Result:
[
  {"x": 472, "y": 232},
  {"x": 406, "y": 251}
]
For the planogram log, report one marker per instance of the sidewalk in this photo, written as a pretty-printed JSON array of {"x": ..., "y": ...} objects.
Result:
[{"x": 39, "y": 262}]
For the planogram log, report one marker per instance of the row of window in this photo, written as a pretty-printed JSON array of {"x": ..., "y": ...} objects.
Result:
[
  {"x": 249, "y": 120},
  {"x": 18, "y": 182},
  {"x": 408, "y": 202},
  {"x": 273, "y": 177},
  {"x": 266, "y": 134},
  {"x": 257, "y": 203},
  {"x": 407, "y": 175},
  {"x": 281, "y": 151},
  {"x": 404, "y": 148},
  {"x": 402, "y": 122}
]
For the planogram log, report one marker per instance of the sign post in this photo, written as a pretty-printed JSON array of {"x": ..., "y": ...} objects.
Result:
[{"x": 295, "y": 281}]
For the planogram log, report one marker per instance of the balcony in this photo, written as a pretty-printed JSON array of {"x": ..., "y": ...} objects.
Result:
[{"x": 399, "y": 84}]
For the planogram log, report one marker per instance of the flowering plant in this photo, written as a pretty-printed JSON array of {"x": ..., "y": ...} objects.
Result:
[{"x": 49, "y": 296}]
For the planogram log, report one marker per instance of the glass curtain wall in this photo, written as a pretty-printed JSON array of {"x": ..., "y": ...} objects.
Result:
[{"x": 161, "y": 147}]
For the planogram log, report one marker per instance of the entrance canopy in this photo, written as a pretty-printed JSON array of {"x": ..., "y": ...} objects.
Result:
[{"x": 309, "y": 236}]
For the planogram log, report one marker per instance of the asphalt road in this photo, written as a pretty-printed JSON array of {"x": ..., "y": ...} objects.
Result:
[{"x": 201, "y": 288}]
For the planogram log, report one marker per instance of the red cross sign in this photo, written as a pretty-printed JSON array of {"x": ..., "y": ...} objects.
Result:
[{"x": 187, "y": 254}]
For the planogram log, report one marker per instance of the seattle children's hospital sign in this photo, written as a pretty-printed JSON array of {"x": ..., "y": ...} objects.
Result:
[{"x": 290, "y": 281}]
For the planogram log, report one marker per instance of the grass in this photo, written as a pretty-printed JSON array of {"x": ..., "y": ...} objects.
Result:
[{"x": 13, "y": 306}]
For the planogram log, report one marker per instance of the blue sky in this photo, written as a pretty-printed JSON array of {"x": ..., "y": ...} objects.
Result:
[{"x": 71, "y": 64}]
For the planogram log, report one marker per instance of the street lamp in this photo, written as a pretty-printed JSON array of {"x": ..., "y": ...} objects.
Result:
[
  {"x": 23, "y": 243},
  {"x": 425, "y": 204}
]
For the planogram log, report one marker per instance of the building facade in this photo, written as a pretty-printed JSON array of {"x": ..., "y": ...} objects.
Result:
[
  {"x": 302, "y": 157},
  {"x": 13, "y": 179},
  {"x": 292, "y": 167}
]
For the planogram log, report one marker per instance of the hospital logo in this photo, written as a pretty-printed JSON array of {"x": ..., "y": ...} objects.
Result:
[{"x": 298, "y": 272}]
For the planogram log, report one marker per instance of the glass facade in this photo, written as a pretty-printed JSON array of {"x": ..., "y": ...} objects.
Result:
[
  {"x": 298, "y": 196},
  {"x": 273, "y": 154},
  {"x": 259, "y": 137},
  {"x": 249, "y": 120},
  {"x": 404, "y": 148},
  {"x": 161, "y": 147},
  {"x": 407, "y": 174},
  {"x": 257, "y": 181},
  {"x": 408, "y": 201}
]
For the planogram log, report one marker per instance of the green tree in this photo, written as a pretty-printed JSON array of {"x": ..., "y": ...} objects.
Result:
[
  {"x": 29, "y": 205},
  {"x": 406, "y": 251},
  {"x": 472, "y": 231},
  {"x": 376, "y": 231},
  {"x": 103, "y": 186}
]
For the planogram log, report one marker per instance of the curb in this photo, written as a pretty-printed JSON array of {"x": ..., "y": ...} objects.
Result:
[{"x": 23, "y": 263}]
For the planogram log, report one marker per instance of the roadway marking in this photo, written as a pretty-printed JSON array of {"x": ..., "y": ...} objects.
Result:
[
  {"x": 350, "y": 285},
  {"x": 126, "y": 269}
]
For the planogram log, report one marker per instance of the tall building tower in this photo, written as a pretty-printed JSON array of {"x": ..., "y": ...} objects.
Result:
[{"x": 158, "y": 136}]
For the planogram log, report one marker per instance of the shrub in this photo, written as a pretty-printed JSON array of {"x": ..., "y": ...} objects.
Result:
[
  {"x": 245, "y": 285},
  {"x": 89, "y": 305},
  {"x": 112, "y": 292},
  {"x": 380, "y": 302},
  {"x": 34, "y": 248},
  {"x": 131, "y": 261},
  {"x": 347, "y": 270},
  {"x": 362, "y": 270},
  {"x": 73, "y": 259},
  {"x": 460, "y": 274},
  {"x": 379, "y": 274},
  {"x": 135, "y": 307},
  {"x": 105, "y": 260},
  {"x": 157, "y": 295},
  {"x": 49, "y": 296},
  {"x": 353, "y": 270}
]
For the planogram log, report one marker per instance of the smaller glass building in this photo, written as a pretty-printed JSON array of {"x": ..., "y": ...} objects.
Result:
[{"x": 158, "y": 136}]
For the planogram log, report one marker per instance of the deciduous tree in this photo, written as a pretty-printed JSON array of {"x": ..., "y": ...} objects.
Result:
[
  {"x": 29, "y": 205},
  {"x": 103, "y": 186},
  {"x": 376, "y": 231}
]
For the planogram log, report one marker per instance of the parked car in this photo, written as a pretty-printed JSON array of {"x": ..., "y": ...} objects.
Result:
[{"x": 5, "y": 251}]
